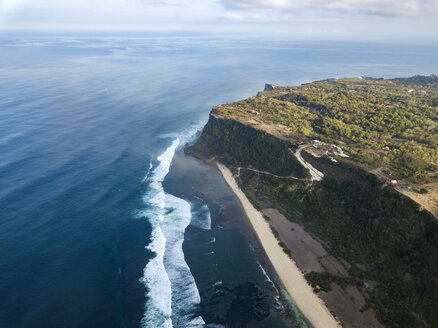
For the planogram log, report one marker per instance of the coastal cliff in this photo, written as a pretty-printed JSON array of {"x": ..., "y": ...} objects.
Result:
[
  {"x": 243, "y": 145},
  {"x": 374, "y": 259}
]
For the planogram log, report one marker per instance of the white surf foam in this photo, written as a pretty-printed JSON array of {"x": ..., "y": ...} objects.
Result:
[
  {"x": 147, "y": 172},
  {"x": 172, "y": 296},
  {"x": 188, "y": 135},
  {"x": 202, "y": 218},
  {"x": 279, "y": 305},
  {"x": 185, "y": 294},
  {"x": 217, "y": 283},
  {"x": 158, "y": 306}
]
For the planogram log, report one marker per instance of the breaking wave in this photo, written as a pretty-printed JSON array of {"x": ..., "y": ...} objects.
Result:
[
  {"x": 201, "y": 215},
  {"x": 172, "y": 295}
]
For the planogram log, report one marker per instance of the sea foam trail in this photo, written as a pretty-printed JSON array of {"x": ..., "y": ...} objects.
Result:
[
  {"x": 172, "y": 297},
  {"x": 147, "y": 172},
  {"x": 201, "y": 215},
  {"x": 185, "y": 294},
  {"x": 158, "y": 307}
]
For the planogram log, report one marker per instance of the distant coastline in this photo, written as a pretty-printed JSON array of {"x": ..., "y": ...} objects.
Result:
[{"x": 291, "y": 277}]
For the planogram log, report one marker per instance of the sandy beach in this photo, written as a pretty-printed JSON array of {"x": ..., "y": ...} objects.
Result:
[{"x": 291, "y": 277}]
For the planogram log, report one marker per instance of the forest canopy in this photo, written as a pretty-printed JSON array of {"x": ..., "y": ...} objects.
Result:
[{"x": 364, "y": 115}]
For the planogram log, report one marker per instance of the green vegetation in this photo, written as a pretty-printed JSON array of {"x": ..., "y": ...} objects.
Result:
[
  {"x": 369, "y": 227},
  {"x": 362, "y": 114},
  {"x": 390, "y": 244},
  {"x": 280, "y": 243},
  {"x": 246, "y": 146},
  {"x": 285, "y": 249},
  {"x": 365, "y": 307},
  {"x": 321, "y": 281},
  {"x": 253, "y": 200},
  {"x": 274, "y": 232}
]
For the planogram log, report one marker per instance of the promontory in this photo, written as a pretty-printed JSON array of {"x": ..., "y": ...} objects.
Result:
[{"x": 343, "y": 172}]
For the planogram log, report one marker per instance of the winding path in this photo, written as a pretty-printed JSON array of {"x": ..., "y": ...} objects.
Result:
[
  {"x": 315, "y": 174},
  {"x": 269, "y": 173}
]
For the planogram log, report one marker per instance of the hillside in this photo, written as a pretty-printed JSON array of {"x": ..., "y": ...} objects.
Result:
[
  {"x": 357, "y": 133},
  {"x": 379, "y": 122}
]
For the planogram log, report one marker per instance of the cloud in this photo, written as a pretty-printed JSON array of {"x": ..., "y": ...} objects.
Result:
[
  {"x": 105, "y": 14},
  {"x": 231, "y": 16},
  {"x": 289, "y": 19},
  {"x": 243, "y": 17},
  {"x": 397, "y": 8}
]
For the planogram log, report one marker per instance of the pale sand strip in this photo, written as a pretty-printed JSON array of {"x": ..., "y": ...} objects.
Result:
[{"x": 293, "y": 280}]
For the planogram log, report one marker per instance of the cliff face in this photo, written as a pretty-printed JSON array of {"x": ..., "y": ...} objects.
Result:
[
  {"x": 247, "y": 146},
  {"x": 270, "y": 87},
  {"x": 389, "y": 247},
  {"x": 381, "y": 123}
]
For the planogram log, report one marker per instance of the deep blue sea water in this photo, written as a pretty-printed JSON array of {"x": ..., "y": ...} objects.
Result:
[{"x": 97, "y": 227}]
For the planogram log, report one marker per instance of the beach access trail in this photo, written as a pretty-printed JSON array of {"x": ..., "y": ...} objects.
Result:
[
  {"x": 315, "y": 175},
  {"x": 312, "y": 307},
  {"x": 269, "y": 173}
]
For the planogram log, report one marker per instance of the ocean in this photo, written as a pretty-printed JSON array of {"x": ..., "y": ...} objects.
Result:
[{"x": 104, "y": 222}]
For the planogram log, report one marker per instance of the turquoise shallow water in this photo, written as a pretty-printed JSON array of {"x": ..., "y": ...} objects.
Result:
[{"x": 84, "y": 128}]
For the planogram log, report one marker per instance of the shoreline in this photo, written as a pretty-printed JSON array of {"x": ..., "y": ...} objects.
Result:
[{"x": 312, "y": 307}]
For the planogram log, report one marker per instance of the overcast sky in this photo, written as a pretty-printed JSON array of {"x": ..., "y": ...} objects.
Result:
[{"x": 378, "y": 20}]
